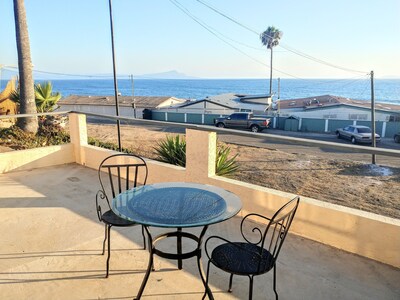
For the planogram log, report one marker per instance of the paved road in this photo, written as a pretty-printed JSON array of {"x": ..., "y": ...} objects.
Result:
[{"x": 322, "y": 152}]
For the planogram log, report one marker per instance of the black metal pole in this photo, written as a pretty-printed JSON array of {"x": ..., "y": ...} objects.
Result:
[
  {"x": 133, "y": 98},
  {"x": 115, "y": 77}
]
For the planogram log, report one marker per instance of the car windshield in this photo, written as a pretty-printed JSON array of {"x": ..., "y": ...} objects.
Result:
[{"x": 364, "y": 130}]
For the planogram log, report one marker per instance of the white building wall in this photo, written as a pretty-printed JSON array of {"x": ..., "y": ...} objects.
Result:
[
  {"x": 339, "y": 113},
  {"x": 124, "y": 111},
  {"x": 190, "y": 110},
  {"x": 200, "y": 108},
  {"x": 213, "y": 108}
]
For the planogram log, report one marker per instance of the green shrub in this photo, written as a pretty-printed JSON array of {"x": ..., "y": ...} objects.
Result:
[
  {"x": 172, "y": 150},
  {"x": 107, "y": 145},
  {"x": 47, "y": 135}
]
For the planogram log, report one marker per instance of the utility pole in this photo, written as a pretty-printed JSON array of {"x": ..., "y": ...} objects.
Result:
[
  {"x": 270, "y": 76},
  {"x": 279, "y": 95},
  {"x": 373, "y": 117},
  {"x": 115, "y": 77},
  {"x": 133, "y": 98},
  {"x": 279, "y": 99}
]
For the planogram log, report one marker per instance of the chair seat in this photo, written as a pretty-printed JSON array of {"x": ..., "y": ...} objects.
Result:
[
  {"x": 242, "y": 259},
  {"x": 109, "y": 217}
]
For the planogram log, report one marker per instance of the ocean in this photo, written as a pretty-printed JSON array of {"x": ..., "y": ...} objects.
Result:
[{"x": 386, "y": 90}]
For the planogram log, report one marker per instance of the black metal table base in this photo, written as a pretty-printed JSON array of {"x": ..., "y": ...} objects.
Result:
[{"x": 179, "y": 256}]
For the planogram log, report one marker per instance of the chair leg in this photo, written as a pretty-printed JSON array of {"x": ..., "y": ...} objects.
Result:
[
  {"x": 105, "y": 239},
  {"x": 144, "y": 238},
  {"x": 207, "y": 273},
  {"x": 230, "y": 283},
  {"x": 276, "y": 293},
  {"x": 108, "y": 249},
  {"x": 251, "y": 288}
]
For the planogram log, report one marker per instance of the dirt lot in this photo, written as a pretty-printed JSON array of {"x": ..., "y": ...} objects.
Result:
[{"x": 353, "y": 184}]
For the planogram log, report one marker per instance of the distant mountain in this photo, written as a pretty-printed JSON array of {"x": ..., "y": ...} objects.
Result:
[{"x": 165, "y": 75}]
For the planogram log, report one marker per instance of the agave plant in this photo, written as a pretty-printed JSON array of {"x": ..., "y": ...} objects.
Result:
[
  {"x": 224, "y": 164},
  {"x": 173, "y": 151},
  {"x": 46, "y": 100}
]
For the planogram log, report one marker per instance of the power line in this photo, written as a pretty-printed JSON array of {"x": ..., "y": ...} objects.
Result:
[
  {"x": 298, "y": 52},
  {"x": 15, "y": 69},
  {"x": 228, "y": 17},
  {"x": 287, "y": 47},
  {"x": 323, "y": 82},
  {"x": 215, "y": 33}
]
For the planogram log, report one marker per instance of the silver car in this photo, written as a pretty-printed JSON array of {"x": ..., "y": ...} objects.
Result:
[{"x": 357, "y": 134}]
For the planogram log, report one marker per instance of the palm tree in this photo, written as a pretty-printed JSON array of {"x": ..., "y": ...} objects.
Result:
[
  {"x": 26, "y": 83},
  {"x": 270, "y": 38}
]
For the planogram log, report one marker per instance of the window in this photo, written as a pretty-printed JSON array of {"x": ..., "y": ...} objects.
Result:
[
  {"x": 358, "y": 116},
  {"x": 394, "y": 118},
  {"x": 239, "y": 116},
  {"x": 364, "y": 130}
]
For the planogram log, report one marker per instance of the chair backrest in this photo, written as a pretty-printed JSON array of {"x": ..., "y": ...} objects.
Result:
[
  {"x": 121, "y": 172},
  {"x": 274, "y": 234}
]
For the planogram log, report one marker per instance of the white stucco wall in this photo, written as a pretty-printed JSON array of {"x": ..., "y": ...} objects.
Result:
[
  {"x": 337, "y": 112},
  {"x": 124, "y": 111}
]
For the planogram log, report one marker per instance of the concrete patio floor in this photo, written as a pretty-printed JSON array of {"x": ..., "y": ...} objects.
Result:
[{"x": 51, "y": 245}]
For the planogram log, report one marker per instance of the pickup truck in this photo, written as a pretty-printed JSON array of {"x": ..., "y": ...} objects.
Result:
[
  {"x": 242, "y": 120},
  {"x": 397, "y": 137}
]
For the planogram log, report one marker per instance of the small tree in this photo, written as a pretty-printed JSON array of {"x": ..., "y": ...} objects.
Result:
[{"x": 270, "y": 38}]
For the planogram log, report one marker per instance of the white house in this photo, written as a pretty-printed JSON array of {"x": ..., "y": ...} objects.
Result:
[
  {"x": 335, "y": 107},
  {"x": 128, "y": 106},
  {"x": 223, "y": 104}
]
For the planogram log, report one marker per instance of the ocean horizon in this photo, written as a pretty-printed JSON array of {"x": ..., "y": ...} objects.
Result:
[{"x": 386, "y": 90}]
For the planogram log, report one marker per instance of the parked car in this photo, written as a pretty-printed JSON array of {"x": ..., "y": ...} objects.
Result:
[
  {"x": 243, "y": 120},
  {"x": 397, "y": 137},
  {"x": 357, "y": 134}
]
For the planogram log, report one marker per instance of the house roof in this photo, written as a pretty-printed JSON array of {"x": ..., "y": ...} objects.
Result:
[
  {"x": 140, "y": 101},
  {"x": 233, "y": 101},
  {"x": 205, "y": 100},
  {"x": 329, "y": 100}
]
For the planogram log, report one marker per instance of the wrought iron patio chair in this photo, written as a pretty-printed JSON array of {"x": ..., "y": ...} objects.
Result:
[
  {"x": 258, "y": 253},
  {"x": 118, "y": 173}
]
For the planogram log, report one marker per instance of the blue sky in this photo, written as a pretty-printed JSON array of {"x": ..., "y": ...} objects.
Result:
[{"x": 155, "y": 36}]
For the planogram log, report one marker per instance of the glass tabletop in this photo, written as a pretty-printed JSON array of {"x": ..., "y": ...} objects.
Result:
[{"x": 176, "y": 204}]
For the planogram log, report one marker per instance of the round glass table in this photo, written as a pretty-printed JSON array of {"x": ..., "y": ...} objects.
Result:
[{"x": 176, "y": 205}]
